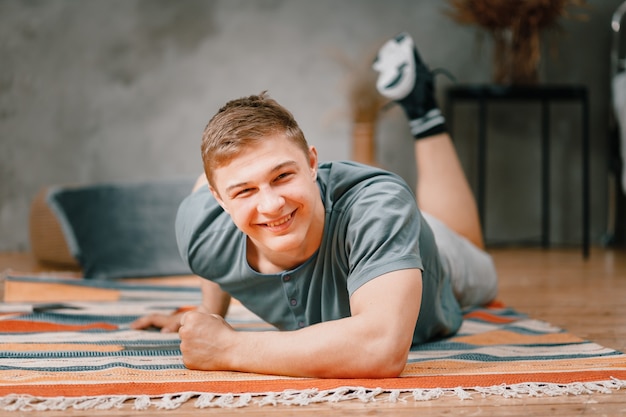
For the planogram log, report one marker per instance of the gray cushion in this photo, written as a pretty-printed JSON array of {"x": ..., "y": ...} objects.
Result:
[{"x": 122, "y": 230}]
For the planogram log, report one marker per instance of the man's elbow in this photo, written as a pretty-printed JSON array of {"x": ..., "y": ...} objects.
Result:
[
  {"x": 393, "y": 368},
  {"x": 388, "y": 363}
]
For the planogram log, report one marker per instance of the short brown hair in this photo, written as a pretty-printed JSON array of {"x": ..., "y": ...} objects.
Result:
[{"x": 243, "y": 122}]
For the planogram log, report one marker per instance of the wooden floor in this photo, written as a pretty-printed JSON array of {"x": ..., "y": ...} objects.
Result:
[{"x": 586, "y": 297}]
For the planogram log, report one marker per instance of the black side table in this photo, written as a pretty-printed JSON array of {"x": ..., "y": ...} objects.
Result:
[{"x": 481, "y": 94}]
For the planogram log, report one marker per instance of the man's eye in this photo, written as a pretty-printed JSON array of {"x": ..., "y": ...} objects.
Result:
[
  {"x": 243, "y": 193},
  {"x": 283, "y": 176}
]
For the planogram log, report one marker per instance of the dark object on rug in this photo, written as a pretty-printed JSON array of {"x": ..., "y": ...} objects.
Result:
[{"x": 122, "y": 230}]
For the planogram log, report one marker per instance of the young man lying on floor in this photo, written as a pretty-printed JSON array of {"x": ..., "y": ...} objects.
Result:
[{"x": 336, "y": 255}]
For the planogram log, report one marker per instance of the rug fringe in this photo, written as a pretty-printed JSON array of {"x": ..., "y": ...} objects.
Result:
[{"x": 15, "y": 402}]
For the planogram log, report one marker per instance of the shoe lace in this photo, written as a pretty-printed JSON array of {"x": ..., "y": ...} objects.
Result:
[{"x": 445, "y": 72}]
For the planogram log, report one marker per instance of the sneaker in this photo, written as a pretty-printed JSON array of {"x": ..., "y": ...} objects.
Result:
[{"x": 405, "y": 79}]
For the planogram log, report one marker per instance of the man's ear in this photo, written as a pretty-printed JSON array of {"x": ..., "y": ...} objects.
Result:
[
  {"x": 313, "y": 161},
  {"x": 218, "y": 198}
]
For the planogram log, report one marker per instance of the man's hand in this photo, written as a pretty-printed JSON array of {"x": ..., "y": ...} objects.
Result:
[
  {"x": 168, "y": 323},
  {"x": 214, "y": 301},
  {"x": 205, "y": 340}
]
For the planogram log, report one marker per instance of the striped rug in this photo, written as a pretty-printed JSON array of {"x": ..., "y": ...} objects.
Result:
[{"x": 82, "y": 354}]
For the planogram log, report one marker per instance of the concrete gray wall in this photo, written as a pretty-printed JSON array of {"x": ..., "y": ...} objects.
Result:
[{"x": 120, "y": 90}]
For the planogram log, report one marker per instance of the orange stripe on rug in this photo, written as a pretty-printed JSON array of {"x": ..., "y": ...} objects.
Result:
[
  {"x": 539, "y": 367},
  {"x": 58, "y": 347},
  {"x": 38, "y": 292},
  {"x": 22, "y": 326},
  {"x": 489, "y": 317},
  {"x": 265, "y": 386}
]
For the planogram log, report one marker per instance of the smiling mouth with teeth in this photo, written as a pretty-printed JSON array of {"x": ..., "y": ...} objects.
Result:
[{"x": 279, "y": 222}]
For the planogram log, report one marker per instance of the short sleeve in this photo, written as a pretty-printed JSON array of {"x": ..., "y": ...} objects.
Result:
[{"x": 382, "y": 232}]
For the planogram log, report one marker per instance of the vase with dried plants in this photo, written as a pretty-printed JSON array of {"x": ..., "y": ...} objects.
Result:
[{"x": 516, "y": 27}]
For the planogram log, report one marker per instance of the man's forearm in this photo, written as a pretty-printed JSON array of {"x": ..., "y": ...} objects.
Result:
[{"x": 346, "y": 348}]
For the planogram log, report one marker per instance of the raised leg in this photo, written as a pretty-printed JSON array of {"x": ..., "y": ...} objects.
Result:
[{"x": 442, "y": 188}]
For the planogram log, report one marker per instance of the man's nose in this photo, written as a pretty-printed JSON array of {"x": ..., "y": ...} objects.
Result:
[{"x": 270, "y": 201}]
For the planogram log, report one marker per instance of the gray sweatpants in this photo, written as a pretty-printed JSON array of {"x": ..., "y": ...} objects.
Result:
[{"x": 471, "y": 269}]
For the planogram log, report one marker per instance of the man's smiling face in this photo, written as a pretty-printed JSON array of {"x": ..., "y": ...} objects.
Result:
[{"x": 271, "y": 193}]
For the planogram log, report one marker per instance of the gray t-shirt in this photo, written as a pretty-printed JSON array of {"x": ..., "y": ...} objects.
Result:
[{"x": 372, "y": 227}]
